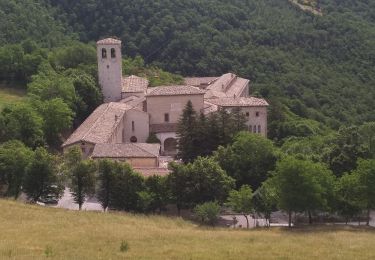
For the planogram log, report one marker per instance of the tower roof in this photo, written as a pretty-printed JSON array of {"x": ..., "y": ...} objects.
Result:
[{"x": 108, "y": 41}]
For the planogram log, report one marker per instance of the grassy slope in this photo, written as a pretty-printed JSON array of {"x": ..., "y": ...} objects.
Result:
[
  {"x": 10, "y": 96},
  {"x": 31, "y": 232}
]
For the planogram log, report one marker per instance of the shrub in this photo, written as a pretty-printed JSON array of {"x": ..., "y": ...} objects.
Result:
[
  {"x": 208, "y": 213},
  {"x": 124, "y": 246}
]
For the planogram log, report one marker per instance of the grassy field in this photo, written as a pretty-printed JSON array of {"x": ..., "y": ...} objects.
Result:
[
  {"x": 32, "y": 232},
  {"x": 10, "y": 96}
]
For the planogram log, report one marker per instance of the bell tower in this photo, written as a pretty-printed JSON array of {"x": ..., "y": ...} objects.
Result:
[{"x": 110, "y": 68}]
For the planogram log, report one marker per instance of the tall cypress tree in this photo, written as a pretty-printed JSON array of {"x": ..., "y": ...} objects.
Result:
[{"x": 187, "y": 135}]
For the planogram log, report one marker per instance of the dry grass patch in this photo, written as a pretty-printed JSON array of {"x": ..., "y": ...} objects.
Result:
[{"x": 31, "y": 232}]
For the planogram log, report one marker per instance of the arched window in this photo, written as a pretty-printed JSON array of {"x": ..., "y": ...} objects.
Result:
[
  {"x": 104, "y": 53},
  {"x": 113, "y": 53},
  {"x": 254, "y": 129},
  {"x": 259, "y": 129}
]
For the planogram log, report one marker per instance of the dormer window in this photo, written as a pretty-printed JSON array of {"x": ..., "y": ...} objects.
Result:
[
  {"x": 104, "y": 53},
  {"x": 113, "y": 53}
]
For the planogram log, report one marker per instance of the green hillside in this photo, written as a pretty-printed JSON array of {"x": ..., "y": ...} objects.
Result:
[
  {"x": 320, "y": 67},
  {"x": 31, "y": 232}
]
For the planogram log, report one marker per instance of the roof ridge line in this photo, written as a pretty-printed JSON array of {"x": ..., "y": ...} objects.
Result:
[
  {"x": 94, "y": 124},
  {"x": 136, "y": 144}
]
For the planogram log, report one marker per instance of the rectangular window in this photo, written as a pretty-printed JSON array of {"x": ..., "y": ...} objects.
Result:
[
  {"x": 166, "y": 117},
  {"x": 254, "y": 129},
  {"x": 259, "y": 129},
  {"x": 247, "y": 114},
  {"x": 257, "y": 114},
  {"x": 133, "y": 126}
]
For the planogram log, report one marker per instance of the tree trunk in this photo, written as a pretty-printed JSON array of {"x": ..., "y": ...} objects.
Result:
[
  {"x": 290, "y": 218},
  {"x": 368, "y": 217},
  {"x": 178, "y": 210},
  {"x": 80, "y": 206},
  {"x": 310, "y": 217},
  {"x": 247, "y": 221}
]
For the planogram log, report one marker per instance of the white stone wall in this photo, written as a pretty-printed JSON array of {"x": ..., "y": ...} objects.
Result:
[
  {"x": 141, "y": 126},
  {"x": 110, "y": 72},
  {"x": 256, "y": 117},
  {"x": 158, "y": 106}
]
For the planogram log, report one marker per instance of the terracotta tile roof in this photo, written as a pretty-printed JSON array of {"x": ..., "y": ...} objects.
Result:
[
  {"x": 174, "y": 91},
  {"x": 147, "y": 172},
  {"x": 163, "y": 128},
  {"x": 228, "y": 85},
  {"x": 222, "y": 83},
  {"x": 134, "y": 84},
  {"x": 134, "y": 101},
  {"x": 238, "y": 102},
  {"x": 126, "y": 150},
  {"x": 209, "y": 108},
  {"x": 108, "y": 41},
  {"x": 99, "y": 126},
  {"x": 197, "y": 81},
  {"x": 237, "y": 87}
]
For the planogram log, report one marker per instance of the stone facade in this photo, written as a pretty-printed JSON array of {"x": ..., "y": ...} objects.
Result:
[
  {"x": 110, "y": 69},
  {"x": 133, "y": 111}
]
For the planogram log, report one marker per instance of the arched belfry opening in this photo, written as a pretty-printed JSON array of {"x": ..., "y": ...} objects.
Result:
[
  {"x": 104, "y": 53},
  {"x": 113, "y": 53}
]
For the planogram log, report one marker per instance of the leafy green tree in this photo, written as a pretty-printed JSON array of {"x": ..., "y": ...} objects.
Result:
[
  {"x": 366, "y": 177},
  {"x": 14, "y": 158},
  {"x": 198, "y": 182},
  {"x": 241, "y": 201},
  {"x": 302, "y": 186},
  {"x": 348, "y": 196},
  {"x": 57, "y": 117},
  {"x": 126, "y": 187},
  {"x": 265, "y": 200},
  {"x": 367, "y": 132},
  {"x": 346, "y": 150},
  {"x": 106, "y": 182},
  {"x": 156, "y": 187},
  {"x": 48, "y": 84},
  {"x": 88, "y": 93},
  {"x": 72, "y": 56},
  {"x": 248, "y": 160},
  {"x": 41, "y": 179},
  {"x": 22, "y": 122},
  {"x": 208, "y": 212},
  {"x": 81, "y": 174}
]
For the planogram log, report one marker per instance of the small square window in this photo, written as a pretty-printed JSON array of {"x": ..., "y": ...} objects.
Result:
[
  {"x": 247, "y": 114},
  {"x": 257, "y": 114},
  {"x": 166, "y": 117}
]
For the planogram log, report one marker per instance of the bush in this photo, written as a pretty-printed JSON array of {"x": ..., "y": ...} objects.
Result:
[
  {"x": 208, "y": 213},
  {"x": 124, "y": 246}
]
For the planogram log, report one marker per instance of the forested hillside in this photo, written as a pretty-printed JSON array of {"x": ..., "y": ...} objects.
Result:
[
  {"x": 316, "y": 71},
  {"x": 29, "y": 19},
  {"x": 321, "y": 67}
]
